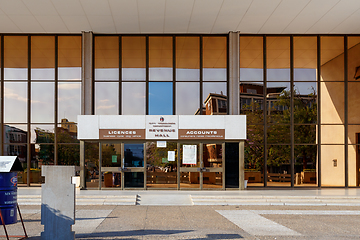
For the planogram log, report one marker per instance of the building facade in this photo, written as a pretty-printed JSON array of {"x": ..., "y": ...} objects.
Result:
[{"x": 297, "y": 82}]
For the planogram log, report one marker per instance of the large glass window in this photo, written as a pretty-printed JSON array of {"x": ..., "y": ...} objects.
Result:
[
  {"x": 160, "y": 58},
  {"x": 106, "y": 58},
  {"x": 133, "y": 58}
]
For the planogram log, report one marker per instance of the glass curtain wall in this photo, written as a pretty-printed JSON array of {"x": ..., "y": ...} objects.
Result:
[
  {"x": 41, "y": 81},
  {"x": 278, "y": 94}
]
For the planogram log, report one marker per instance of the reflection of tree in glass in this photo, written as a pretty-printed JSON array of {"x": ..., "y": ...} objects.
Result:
[
  {"x": 305, "y": 113},
  {"x": 155, "y": 155}
]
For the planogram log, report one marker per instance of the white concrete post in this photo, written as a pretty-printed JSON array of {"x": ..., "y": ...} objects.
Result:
[{"x": 234, "y": 70}]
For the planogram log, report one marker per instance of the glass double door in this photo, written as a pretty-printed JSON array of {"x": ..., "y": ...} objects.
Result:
[{"x": 162, "y": 165}]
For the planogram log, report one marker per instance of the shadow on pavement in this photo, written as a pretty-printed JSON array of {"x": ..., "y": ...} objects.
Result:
[
  {"x": 219, "y": 236},
  {"x": 130, "y": 233}
]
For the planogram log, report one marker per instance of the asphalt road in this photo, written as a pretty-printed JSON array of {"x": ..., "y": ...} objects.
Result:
[{"x": 204, "y": 222}]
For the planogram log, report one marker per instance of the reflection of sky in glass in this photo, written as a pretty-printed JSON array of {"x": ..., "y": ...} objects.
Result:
[
  {"x": 15, "y": 73},
  {"x": 160, "y": 74},
  {"x": 187, "y": 98},
  {"x": 160, "y": 98},
  {"x": 214, "y": 74},
  {"x": 15, "y": 102},
  {"x": 304, "y": 74},
  {"x": 251, "y": 74},
  {"x": 217, "y": 88},
  {"x": 42, "y": 102},
  {"x": 133, "y": 74},
  {"x": 279, "y": 84},
  {"x": 278, "y": 74},
  {"x": 305, "y": 88},
  {"x": 69, "y": 73},
  {"x": 106, "y": 74},
  {"x": 183, "y": 74},
  {"x": 69, "y": 102},
  {"x": 43, "y": 73},
  {"x": 107, "y": 98},
  {"x": 133, "y": 95}
]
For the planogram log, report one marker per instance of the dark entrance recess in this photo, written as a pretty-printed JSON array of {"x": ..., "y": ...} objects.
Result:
[{"x": 231, "y": 165}]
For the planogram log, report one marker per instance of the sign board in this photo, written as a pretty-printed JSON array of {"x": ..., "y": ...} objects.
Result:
[
  {"x": 10, "y": 164},
  {"x": 190, "y": 154},
  {"x": 171, "y": 156},
  {"x": 162, "y": 128}
]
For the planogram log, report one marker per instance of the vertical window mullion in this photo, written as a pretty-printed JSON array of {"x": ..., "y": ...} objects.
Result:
[{"x": 56, "y": 102}]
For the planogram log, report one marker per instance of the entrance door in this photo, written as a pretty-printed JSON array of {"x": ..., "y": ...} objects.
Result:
[
  {"x": 201, "y": 166},
  {"x": 110, "y": 165},
  {"x": 133, "y": 165},
  {"x": 161, "y": 167}
]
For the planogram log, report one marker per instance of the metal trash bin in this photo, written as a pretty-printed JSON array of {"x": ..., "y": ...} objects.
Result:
[{"x": 9, "y": 165}]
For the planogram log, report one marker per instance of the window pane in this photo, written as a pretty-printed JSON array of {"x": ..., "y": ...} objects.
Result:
[
  {"x": 16, "y": 58},
  {"x": 134, "y": 58},
  {"x": 305, "y": 165},
  {"x": 354, "y": 134},
  {"x": 67, "y": 132},
  {"x": 45, "y": 154},
  {"x": 278, "y": 134},
  {"x": 251, "y": 59},
  {"x": 15, "y": 102},
  {"x": 353, "y": 165},
  {"x": 160, "y": 58},
  {"x": 213, "y": 88},
  {"x": 42, "y": 133},
  {"x": 278, "y": 102},
  {"x": 305, "y": 134},
  {"x": 214, "y": 59},
  {"x": 305, "y": 102},
  {"x": 69, "y": 101},
  {"x": 69, "y": 57},
  {"x": 278, "y": 58},
  {"x": 305, "y": 58},
  {"x": 160, "y": 98},
  {"x": 187, "y": 98},
  {"x": 134, "y": 155},
  {"x": 42, "y": 102},
  {"x": 332, "y": 102},
  {"x": 106, "y": 98},
  {"x": 69, "y": 154},
  {"x": 278, "y": 166},
  {"x": 43, "y": 58},
  {"x": 353, "y": 102},
  {"x": 252, "y": 101},
  {"x": 133, "y": 98},
  {"x": 332, "y": 59},
  {"x": 106, "y": 58},
  {"x": 187, "y": 58},
  {"x": 15, "y": 133}
]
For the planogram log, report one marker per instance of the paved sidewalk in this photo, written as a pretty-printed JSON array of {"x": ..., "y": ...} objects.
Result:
[{"x": 299, "y": 197}]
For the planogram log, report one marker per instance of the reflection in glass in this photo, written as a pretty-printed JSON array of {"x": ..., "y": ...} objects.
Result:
[
  {"x": 305, "y": 134},
  {"x": 353, "y": 164},
  {"x": 305, "y": 58},
  {"x": 332, "y": 102},
  {"x": 15, "y": 57},
  {"x": 212, "y": 159},
  {"x": 279, "y": 133},
  {"x": 161, "y": 171},
  {"x": 111, "y": 155},
  {"x": 134, "y": 155},
  {"x": 187, "y": 98},
  {"x": 251, "y": 59},
  {"x": 252, "y": 101},
  {"x": 133, "y": 98},
  {"x": 354, "y": 134},
  {"x": 187, "y": 58},
  {"x": 254, "y": 160},
  {"x": 106, "y": 98},
  {"x": 353, "y": 102},
  {"x": 42, "y": 133},
  {"x": 69, "y": 101},
  {"x": 278, "y": 58},
  {"x": 160, "y": 98},
  {"x": 68, "y": 154},
  {"x": 69, "y": 57},
  {"x": 160, "y": 58},
  {"x": 305, "y": 102},
  {"x": 134, "y": 179},
  {"x": 305, "y": 165},
  {"x": 133, "y": 58},
  {"x": 18, "y": 150},
  {"x": 15, "y": 134},
  {"x": 67, "y": 132},
  {"x": 332, "y": 134},
  {"x": 42, "y": 102},
  {"x": 278, "y": 102},
  {"x": 332, "y": 58},
  {"x": 42, "y": 57},
  {"x": 278, "y": 165},
  {"x": 106, "y": 58},
  {"x": 214, "y": 59},
  {"x": 15, "y": 102},
  {"x": 109, "y": 179},
  {"x": 213, "y": 88},
  {"x": 44, "y": 153}
]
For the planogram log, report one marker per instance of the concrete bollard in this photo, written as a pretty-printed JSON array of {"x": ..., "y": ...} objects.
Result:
[{"x": 58, "y": 202}]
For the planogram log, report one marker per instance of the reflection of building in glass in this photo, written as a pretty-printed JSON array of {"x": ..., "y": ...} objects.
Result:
[{"x": 12, "y": 138}]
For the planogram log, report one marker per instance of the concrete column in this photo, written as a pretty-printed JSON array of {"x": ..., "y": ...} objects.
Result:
[
  {"x": 234, "y": 73},
  {"x": 86, "y": 93}
]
